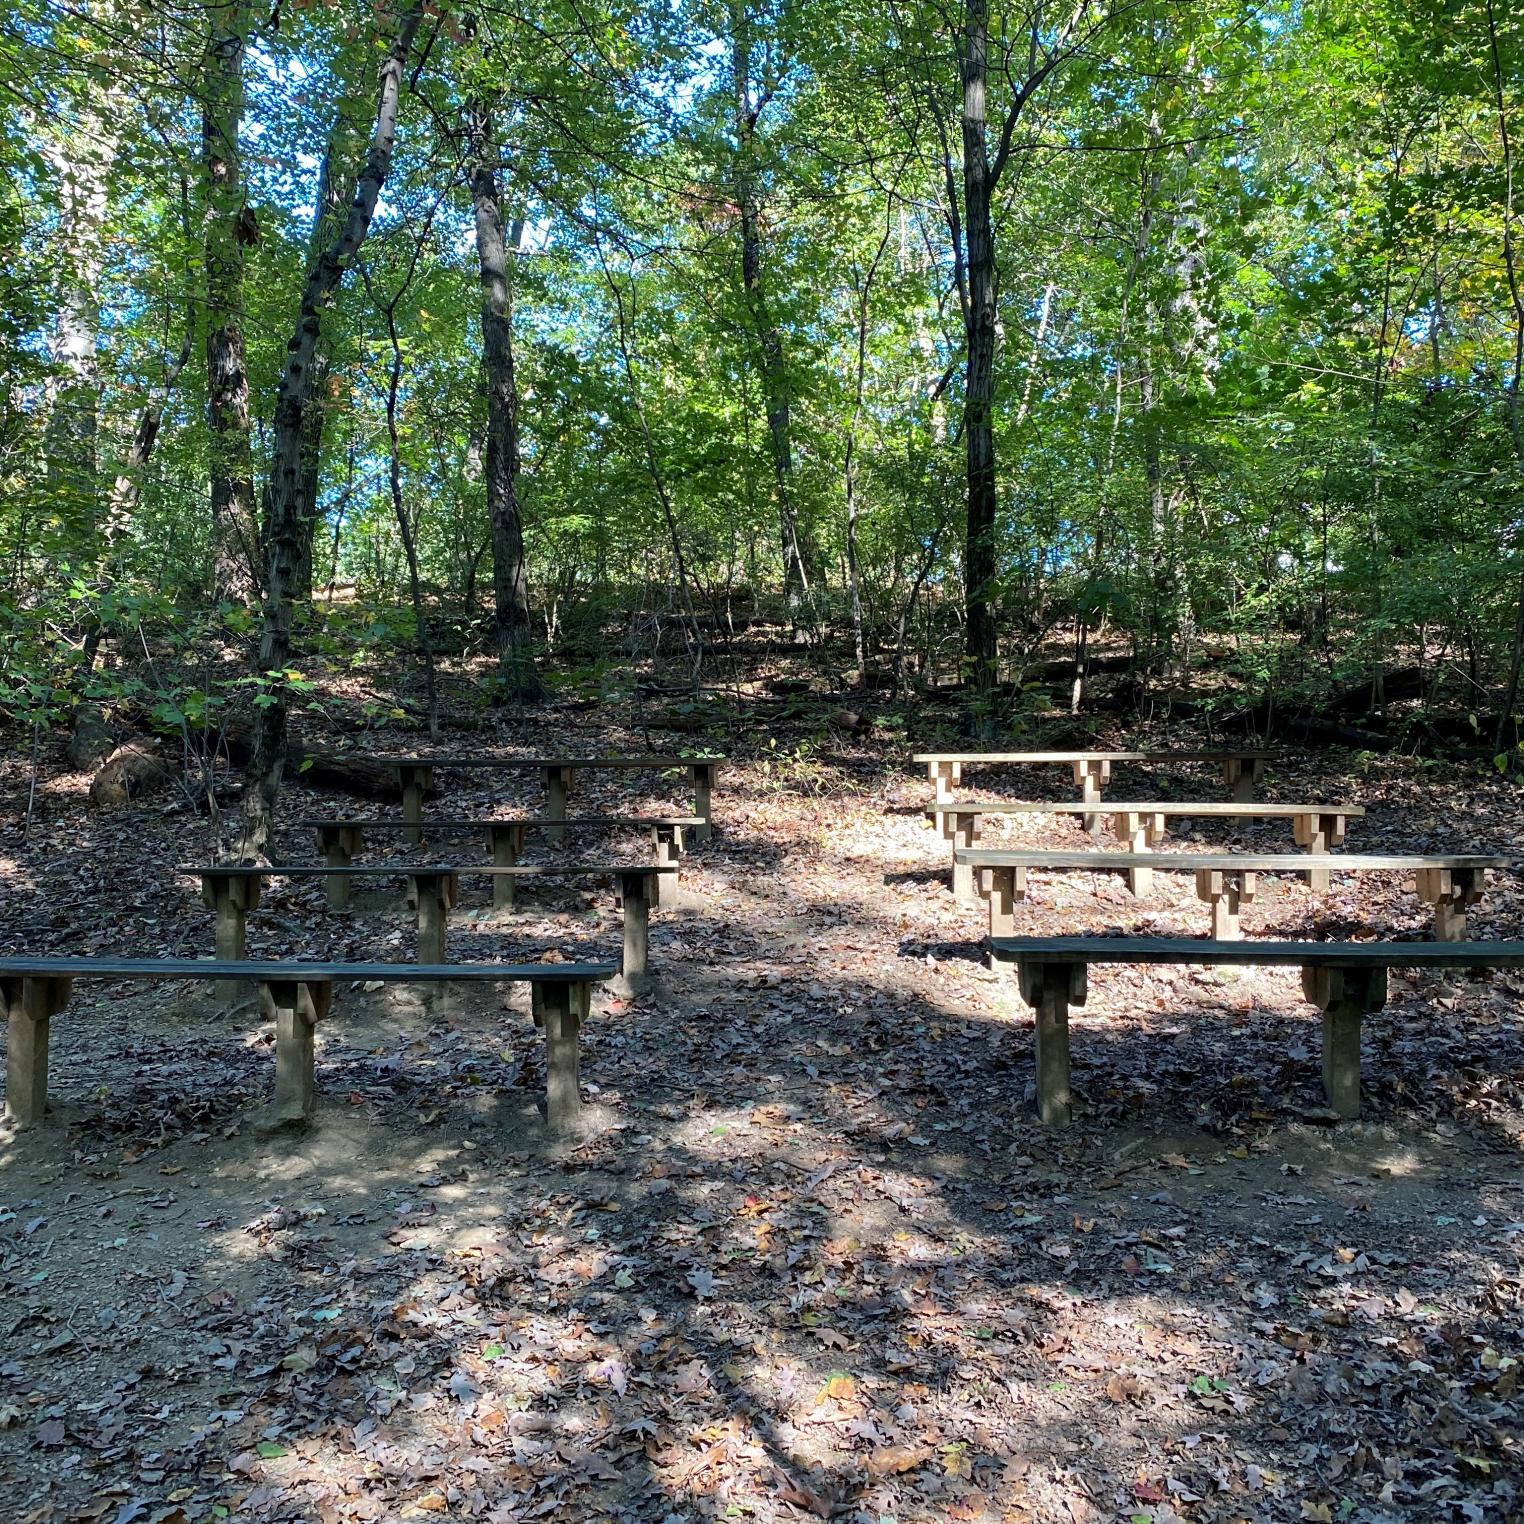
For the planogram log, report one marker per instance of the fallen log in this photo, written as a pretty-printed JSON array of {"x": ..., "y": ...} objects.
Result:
[
  {"x": 91, "y": 741},
  {"x": 342, "y": 773},
  {"x": 134, "y": 771}
]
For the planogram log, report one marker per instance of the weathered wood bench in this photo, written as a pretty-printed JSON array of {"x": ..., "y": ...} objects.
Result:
[
  {"x": 34, "y": 990},
  {"x": 1227, "y": 880},
  {"x": 1314, "y": 826},
  {"x": 415, "y": 778},
  {"x": 232, "y": 890},
  {"x": 341, "y": 841},
  {"x": 1243, "y": 767},
  {"x": 1345, "y": 980}
]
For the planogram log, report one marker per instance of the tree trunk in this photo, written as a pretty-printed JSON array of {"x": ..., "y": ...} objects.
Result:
[
  {"x": 800, "y": 570},
  {"x": 979, "y": 393},
  {"x": 83, "y": 165},
  {"x": 229, "y": 226},
  {"x": 335, "y": 192},
  {"x": 510, "y": 583},
  {"x": 287, "y": 527}
]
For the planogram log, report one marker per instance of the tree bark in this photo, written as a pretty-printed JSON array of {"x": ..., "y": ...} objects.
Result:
[
  {"x": 979, "y": 392},
  {"x": 800, "y": 569},
  {"x": 510, "y": 583},
  {"x": 228, "y": 228},
  {"x": 83, "y": 164},
  {"x": 287, "y": 527}
]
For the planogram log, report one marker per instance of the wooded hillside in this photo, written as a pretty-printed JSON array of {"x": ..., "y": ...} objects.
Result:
[{"x": 947, "y": 339}]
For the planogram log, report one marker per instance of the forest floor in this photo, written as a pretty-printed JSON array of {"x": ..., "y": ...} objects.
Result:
[{"x": 816, "y": 1258}]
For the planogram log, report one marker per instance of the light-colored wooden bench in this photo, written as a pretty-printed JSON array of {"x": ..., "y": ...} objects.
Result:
[
  {"x": 1141, "y": 826},
  {"x": 232, "y": 890},
  {"x": 1227, "y": 880},
  {"x": 1345, "y": 980},
  {"x": 415, "y": 778},
  {"x": 34, "y": 990},
  {"x": 341, "y": 841},
  {"x": 1243, "y": 767}
]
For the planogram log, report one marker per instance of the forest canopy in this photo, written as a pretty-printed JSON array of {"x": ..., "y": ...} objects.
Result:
[{"x": 943, "y": 332}]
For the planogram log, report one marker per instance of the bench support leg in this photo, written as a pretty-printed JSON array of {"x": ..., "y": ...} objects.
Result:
[
  {"x": 1226, "y": 892},
  {"x": 559, "y": 1009},
  {"x": 415, "y": 782},
  {"x": 1243, "y": 775},
  {"x": 558, "y": 782},
  {"x": 506, "y": 842},
  {"x": 1132, "y": 830},
  {"x": 298, "y": 1006},
  {"x": 1451, "y": 891},
  {"x": 703, "y": 801},
  {"x": 1000, "y": 886},
  {"x": 433, "y": 894},
  {"x": 1344, "y": 995},
  {"x": 1091, "y": 776},
  {"x": 634, "y": 892},
  {"x": 1319, "y": 834},
  {"x": 945, "y": 778},
  {"x": 965, "y": 834},
  {"x": 29, "y": 1006},
  {"x": 339, "y": 847},
  {"x": 1050, "y": 989},
  {"x": 231, "y": 899}
]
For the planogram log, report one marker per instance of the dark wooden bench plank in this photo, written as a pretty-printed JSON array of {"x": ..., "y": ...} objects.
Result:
[
  {"x": 1226, "y": 880},
  {"x": 415, "y": 778},
  {"x": 1345, "y": 980},
  {"x": 1140, "y": 826},
  {"x": 34, "y": 990},
  {"x": 232, "y": 890}
]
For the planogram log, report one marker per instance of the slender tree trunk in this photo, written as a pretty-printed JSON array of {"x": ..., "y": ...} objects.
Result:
[
  {"x": 286, "y": 527},
  {"x": 849, "y": 465},
  {"x": 228, "y": 228},
  {"x": 510, "y": 581},
  {"x": 83, "y": 164},
  {"x": 979, "y": 394},
  {"x": 800, "y": 558},
  {"x": 335, "y": 193}
]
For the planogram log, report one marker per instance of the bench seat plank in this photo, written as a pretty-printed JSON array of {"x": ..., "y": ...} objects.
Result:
[
  {"x": 1015, "y": 757},
  {"x": 487, "y": 822},
  {"x": 1267, "y": 953},
  {"x": 1259, "y": 862},
  {"x": 1345, "y": 980},
  {"x": 33, "y": 990},
  {"x": 1231, "y": 808}
]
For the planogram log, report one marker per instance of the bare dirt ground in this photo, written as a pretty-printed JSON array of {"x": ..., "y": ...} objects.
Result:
[{"x": 816, "y": 1258}]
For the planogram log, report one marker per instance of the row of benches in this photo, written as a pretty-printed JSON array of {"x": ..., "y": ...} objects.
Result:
[
  {"x": 232, "y": 890},
  {"x": 416, "y": 778},
  {"x": 1346, "y": 981},
  {"x": 1140, "y": 827},
  {"x": 1242, "y": 767},
  {"x": 34, "y": 990}
]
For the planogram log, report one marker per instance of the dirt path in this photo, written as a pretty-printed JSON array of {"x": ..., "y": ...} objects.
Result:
[{"x": 817, "y": 1260}]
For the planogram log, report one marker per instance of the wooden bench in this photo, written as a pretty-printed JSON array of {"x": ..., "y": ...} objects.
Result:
[
  {"x": 1227, "y": 880},
  {"x": 415, "y": 778},
  {"x": 34, "y": 990},
  {"x": 1243, "y": 767},
  {"x": 1345, "y": 980},
  {"x": 341, "y": 841},
  {"x": 1314, "y": 826},
  {"x": 232, "y": 890}
]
